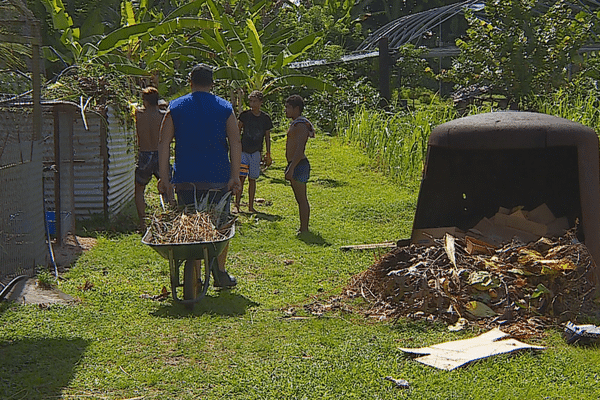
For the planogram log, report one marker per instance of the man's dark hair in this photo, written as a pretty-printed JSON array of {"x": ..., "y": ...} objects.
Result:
[
  {"x": 150, "y": 94},
  {"x": 201, "y": 75},
  {"x": 257, "y": 94},
  {"x": 295, "y": 101}
]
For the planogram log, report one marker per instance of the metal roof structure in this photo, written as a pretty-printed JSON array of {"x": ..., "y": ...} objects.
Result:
[
  {"x": 414, "y": 28},
  {"x": 411, "y": 28}
]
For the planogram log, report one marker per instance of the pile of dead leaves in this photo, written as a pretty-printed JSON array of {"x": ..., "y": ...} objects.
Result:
[{"x": 521, "y": 287}]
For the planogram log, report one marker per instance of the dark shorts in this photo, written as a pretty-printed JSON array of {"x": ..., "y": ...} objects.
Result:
[
  {"x": 186, "y": 196},
  {"x": 302, "y": 171},
  {"x": 147, "y": 166}
]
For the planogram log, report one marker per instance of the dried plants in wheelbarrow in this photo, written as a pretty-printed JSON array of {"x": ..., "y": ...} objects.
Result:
[{"x": 199, "y": 222}]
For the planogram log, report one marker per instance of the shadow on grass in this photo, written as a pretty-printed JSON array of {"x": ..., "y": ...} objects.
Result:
[
  {"x": 225, "y": 303},
  {"x": 313, "y": 239},
  {"x": 38, "y": 369},
  {"x": 275, "y": 175},
  {"x": 330, "y": 183},
  {"x": 267, "y": 217},
  {"x": 258, "y": 215}
]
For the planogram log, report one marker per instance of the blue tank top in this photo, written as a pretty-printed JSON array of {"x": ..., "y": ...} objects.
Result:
[{"x": 201, "y": 149}]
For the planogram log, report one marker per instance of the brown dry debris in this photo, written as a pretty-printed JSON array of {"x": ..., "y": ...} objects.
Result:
[
  {"x": 187, "y": 227},
  {"x": 521, "y": 287}
]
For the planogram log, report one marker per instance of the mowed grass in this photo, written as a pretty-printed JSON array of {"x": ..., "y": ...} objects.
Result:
[{"x": 258, "y": 341}]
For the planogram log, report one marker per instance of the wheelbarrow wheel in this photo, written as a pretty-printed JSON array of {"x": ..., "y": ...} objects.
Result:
[
  {"x": 191, "y": 276},
  {"x": 196, "y": 277}
]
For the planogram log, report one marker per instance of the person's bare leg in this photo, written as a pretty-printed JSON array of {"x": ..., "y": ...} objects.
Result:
[
  {"x": 140, "y": 204},
  {"x": 303, "y": 206},
  {"x": 222, "y": 258},
  {"x": 251, "y": 194},
  {"x": 238, "y": 197}
]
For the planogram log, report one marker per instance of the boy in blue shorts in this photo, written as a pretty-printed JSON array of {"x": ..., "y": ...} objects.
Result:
[
  {"x": 255, "y": 126},
  {"x": 298, "y": 168}
]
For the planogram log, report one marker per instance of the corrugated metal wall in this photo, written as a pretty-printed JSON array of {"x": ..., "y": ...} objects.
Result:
[
  {"x": 121, "y": 165},
  {"x": 22, "y": 232},
  {"x": 89, "y": 158},
  {"x": 103, "y": 161}
]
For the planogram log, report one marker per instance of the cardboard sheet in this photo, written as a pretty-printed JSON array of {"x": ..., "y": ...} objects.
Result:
[{"x": 451, "y": 355}]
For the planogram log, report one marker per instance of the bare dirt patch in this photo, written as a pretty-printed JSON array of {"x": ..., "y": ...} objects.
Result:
[
  {"x": 29, "y": 291},
  {"x": 71, "y": 248}
]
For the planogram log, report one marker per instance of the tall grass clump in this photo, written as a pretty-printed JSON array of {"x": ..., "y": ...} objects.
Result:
[
  {"x": 578, "y": 107},
  {"x": 396, "y": 142}
]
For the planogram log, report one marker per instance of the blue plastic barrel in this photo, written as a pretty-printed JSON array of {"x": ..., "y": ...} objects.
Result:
[{"x": 51, "y": 222}]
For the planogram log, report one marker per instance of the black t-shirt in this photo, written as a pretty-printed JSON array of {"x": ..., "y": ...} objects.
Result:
[{"x": 254, "y": 130}]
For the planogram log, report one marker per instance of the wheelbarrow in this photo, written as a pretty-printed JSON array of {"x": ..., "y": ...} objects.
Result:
[{"x": 196, "y": 275}]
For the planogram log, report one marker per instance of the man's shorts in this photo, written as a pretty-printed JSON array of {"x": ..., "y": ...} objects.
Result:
[
  {"x": 147, "y": 166},
  {"x": 302, "y": 171},
  {"x": 186, "y": 196},
  {"x": 250, "y": 165}
]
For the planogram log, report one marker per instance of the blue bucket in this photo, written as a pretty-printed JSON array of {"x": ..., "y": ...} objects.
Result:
[{"x": 51, "y": 222}]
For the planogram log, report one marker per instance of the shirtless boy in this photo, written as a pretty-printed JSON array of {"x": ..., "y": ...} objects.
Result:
[
  {"x": 298, "y": 168},
  {"x": 147, "y": 123}
]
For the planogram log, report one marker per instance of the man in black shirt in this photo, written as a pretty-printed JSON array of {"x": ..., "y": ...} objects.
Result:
[{"x": 255, "y": 126}]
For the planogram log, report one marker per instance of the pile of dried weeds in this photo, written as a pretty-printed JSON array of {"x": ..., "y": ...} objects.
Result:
[
  {"x": 186, "y": 226},
  {"x": 521, "y": 287}
]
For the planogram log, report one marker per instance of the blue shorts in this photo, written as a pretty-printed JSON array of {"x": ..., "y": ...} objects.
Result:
[
  {"x": 302, "y": 171},
  {"x": 250, "y": 165},
  {"x": 147, "y": 166}
]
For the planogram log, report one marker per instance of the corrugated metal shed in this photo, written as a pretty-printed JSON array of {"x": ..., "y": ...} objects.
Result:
[
  {"x": 121, "y": 165},
  {"x": 97, "y": 164},
  {"x": 89, "y": 160}
]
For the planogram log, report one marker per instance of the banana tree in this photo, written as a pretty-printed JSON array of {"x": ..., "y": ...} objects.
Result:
[
  {"x": 255, "y": 56},
  {"x": 145, "y": 42}
]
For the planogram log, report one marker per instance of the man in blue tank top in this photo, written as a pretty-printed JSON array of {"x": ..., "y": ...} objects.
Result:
[{"x": 207, "y": 149}]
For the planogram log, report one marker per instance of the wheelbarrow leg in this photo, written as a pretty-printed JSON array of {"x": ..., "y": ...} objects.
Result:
[{"x": 174, "y": 273}]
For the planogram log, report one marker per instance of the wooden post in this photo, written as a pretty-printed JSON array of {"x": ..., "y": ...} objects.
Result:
[{"x": 384, "y": 69}]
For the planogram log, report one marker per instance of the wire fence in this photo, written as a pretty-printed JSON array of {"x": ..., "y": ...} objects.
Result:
[{"x": 22, "y": 231}]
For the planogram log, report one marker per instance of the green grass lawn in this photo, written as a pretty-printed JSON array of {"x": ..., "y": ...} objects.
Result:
[{"x": 242, "y": 343}]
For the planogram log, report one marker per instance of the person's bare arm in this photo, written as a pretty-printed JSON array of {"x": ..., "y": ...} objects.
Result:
[
  {"x": 167, "y": 133},
  {"x": 267, "y": 157},
  {"x": 235, "y": 154},
  {"x": 138, "y": 127}
]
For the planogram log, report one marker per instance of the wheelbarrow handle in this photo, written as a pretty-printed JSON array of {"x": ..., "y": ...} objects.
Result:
[{"x": 167, "y": 198}]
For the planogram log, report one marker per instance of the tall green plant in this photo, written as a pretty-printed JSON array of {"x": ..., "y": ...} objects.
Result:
[
  {"x": 396, "y": 142},
  {"x": 147, "y": 43},
  {"x": 577, "y": 106},
  {"x": 255, "y": 55}
]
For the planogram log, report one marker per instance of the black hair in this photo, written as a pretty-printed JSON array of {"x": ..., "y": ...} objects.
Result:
[
  {"x": 201, "y": 75},
  {"x": 296, "y": 100},
  {"x": 150, "y": 94}
]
